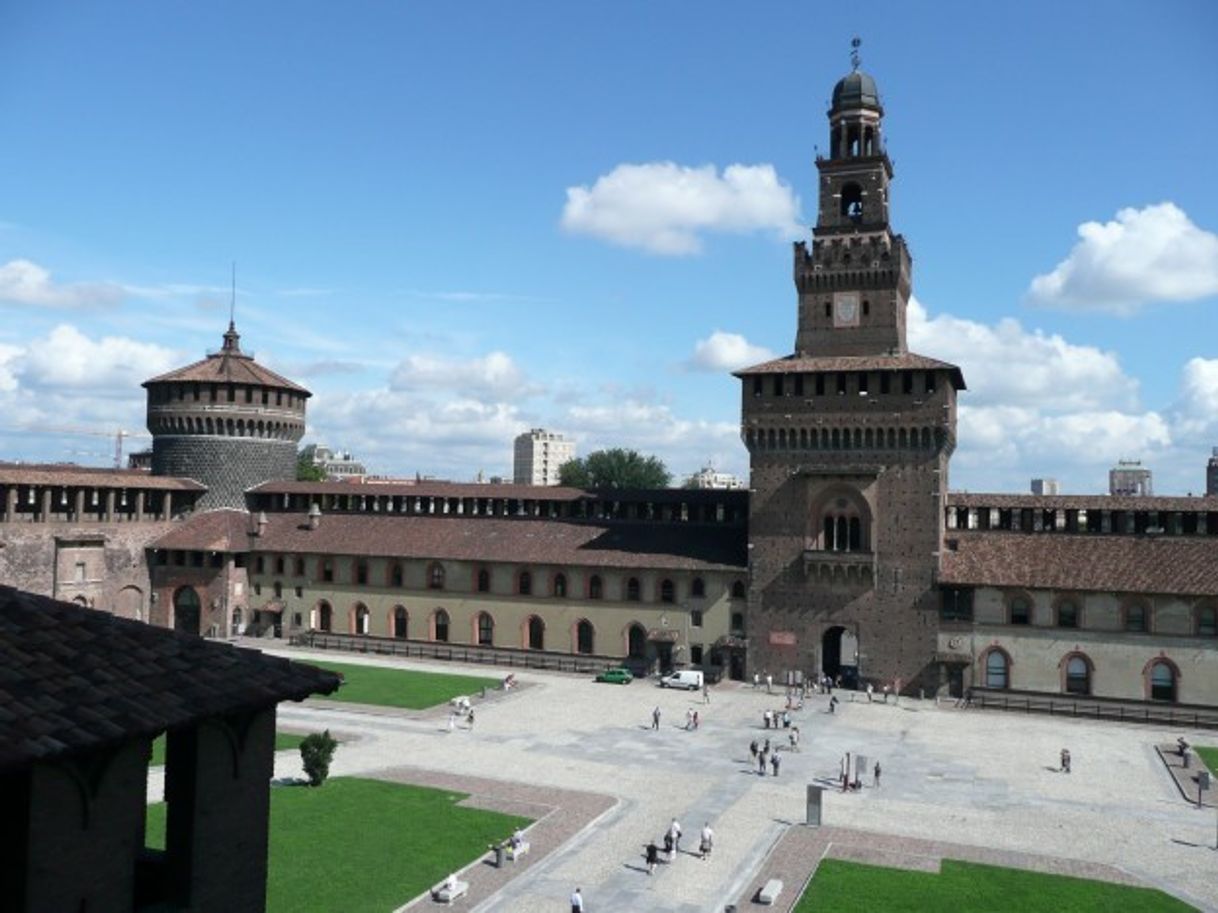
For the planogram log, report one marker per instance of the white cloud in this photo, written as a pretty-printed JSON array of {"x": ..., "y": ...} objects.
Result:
[
  {"x": 664, "y": 208},
  {"x": 1196, "y": 411},
  {"x": 25, "y": 282},
  {"x": 495, "y": 375},
  {"x": 67, "y": 358},
  {"x": 726, "y": 352},
  {"x": 1144, "y": 255}
]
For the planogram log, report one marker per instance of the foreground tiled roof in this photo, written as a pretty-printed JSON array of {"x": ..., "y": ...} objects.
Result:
[
  {"x": 491, "y": 539},
  {"x": 1081, "y": 502},
  {"x": 86, "y": 477},
  {"x": 810, "y": 364},
  {"x": 223, "y": 530},
  {"x": 1185, "y": 566},
  {"x": 75, "y": 679}
]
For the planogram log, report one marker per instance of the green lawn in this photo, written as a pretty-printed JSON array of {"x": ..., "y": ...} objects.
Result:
[
  {"x": 1209, "y": 756},
  {"x": 842, "y": 885},
  {"x": 283, "y": 742},
  {"x": 401, "y": 687},
  {"x": 357, "y": 845}
]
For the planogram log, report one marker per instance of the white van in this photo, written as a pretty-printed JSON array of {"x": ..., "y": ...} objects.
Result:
[{"x": 686, "y": 678}]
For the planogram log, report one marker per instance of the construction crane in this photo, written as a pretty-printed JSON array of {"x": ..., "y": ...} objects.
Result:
[{"x": 117, "y": 435}]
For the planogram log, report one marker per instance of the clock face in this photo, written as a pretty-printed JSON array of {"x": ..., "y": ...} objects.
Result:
[{"x": 845, "y": 310}]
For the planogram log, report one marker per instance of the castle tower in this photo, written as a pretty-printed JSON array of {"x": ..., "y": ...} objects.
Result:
[
  {"x": 1211, "y": 475},
  {"x": 225, "y": 421},
  {"x": 849, "y": 439}
]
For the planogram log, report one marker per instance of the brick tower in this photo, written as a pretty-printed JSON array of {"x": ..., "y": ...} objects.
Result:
[
  {"x": 849, "y": 439},
  {"x": 225, "y": 421}
]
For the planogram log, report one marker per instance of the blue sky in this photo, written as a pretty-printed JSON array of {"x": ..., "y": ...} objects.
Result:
[{"x": 456, "y": 221}]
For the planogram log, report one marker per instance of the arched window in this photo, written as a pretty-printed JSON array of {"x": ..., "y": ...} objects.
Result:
[
  {"x": 440, "y": 626},
  {"x": 1207, "y": 621},
  {"x": 997, "y": 669},
  {"x": 401, "y": 622},
  {"x": 585, "y": 637},
  {"x": 325, "y": 616},
  {"x": 560, "y": 585},
  {"x": 537, "y": 633},
  {"x": 1067, "y": 614},
  {"x": 484, "y": 580},
  {"x": 843, "y": 526},
  {"x": 435, "y": 576},
  {"x": 524, "y": 584},
  {"x": 1135, "y": 618},
  {"x": 1162, "y": 681},
  {"x": 738, "y": 590},
  {"x": 668, "y": 592},
  {"x": 486, "y": 629},
  {"x": 1078, "y": 675},
  {"x": 596, "y": 589},
  {"x": 697, "y": 588},
  {"x": 633, "y": 590},
  {"x": 636, "y": 642},
  {"x": 852, "y": 202},
  {"x": 359, "y": 618}
]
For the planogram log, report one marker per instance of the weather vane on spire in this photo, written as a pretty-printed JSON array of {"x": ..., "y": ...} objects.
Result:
[{"x": 855, "y": 60}]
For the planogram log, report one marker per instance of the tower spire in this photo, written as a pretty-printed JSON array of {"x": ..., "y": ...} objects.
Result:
[
  {"x": 855, "y": 60},
  {"x": 232, "y": 339}
]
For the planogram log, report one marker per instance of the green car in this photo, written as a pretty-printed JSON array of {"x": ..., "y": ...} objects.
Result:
[{"x": 616, "y": 676}]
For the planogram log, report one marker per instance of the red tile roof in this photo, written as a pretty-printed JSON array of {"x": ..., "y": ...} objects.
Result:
[
  {"x": 491, "y": 539},
  {"x": 74, "y": 679},
  {"x": 1080, "y": 502},
  {"x": 1180, "y": 565},
  {"x": 811, "y": 364},
  {"x": 222, "y": 530},
  {"x": 67, "y": 475},
  {"x": 230, "y": 366}
]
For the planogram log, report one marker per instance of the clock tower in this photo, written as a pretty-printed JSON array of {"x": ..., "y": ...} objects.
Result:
[{"x": 849, "y": 439}]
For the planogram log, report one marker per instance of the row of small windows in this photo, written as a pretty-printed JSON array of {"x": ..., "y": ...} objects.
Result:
[
  {"x": 840, "y": 383},
  {"x": 1084, "y": 520},
  {"x": 1160, "y": 677},
  {"x": 925, "y": 438},
  {"x": 189, "y": 424},
  {"x": 223, "y": 393},
  {"x": 1137, "y": 617},
  {"x": 525, "y": 583}
]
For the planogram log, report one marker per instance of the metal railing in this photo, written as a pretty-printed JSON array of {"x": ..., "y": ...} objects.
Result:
[{"x": 1094, "y": 708}]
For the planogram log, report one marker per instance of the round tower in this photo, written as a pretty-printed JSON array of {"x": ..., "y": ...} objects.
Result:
[{"x": 225, "y": 421}]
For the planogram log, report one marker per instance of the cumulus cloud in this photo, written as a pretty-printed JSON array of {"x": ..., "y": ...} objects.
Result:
[
  {"x": 665, "y": 208},
  {"x": 1196, "y": 410},
  {"x": 495, "y": 375},
  {"x": 1142, "y": 256},
  {"x": 25, "y": 282},
  {"x": 726, "y": 352},
  {"x": 67, "y": 358}
]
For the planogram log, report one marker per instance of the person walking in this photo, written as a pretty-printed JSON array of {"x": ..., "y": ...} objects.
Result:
[
  {"x": 766, "y": 717},
  {"x": 1065, "y": 760},
  {"x": 761, "y": 764},
  {"x": 756, "y": 680},
  {"x": 706, "y": 841},
  {"x": 753, "y": 749},
  {"x": 697, "y": 722},
  {"x": 689, "y": 719},
  {"x": 870, "y": 689},
  {"x": 675, "y": 830},
  {"x": 653, "y": 856},
  {"x": 655, "y": 717},
  {"x": 769, "y": 683},
  {"x": 470, "y": 718},
  {"x": 794, "y": 738},
  {"x": 875, "y": 775},
  {"x": 577, "y": 902},
  {"x": 705, "y": 693},
  {"x": 774, "y": 761}
]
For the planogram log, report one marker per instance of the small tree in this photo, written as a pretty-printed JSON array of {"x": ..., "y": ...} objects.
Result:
[
  {"x": 616, "y": 468},
  {"x": 307, "y": 470},
  {"x": 316, "y": 752}
]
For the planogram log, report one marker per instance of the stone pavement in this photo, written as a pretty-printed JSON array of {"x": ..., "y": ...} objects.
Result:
[
  {"x": 984, "y": 782},
  {"x": 1187, "y": 778}
]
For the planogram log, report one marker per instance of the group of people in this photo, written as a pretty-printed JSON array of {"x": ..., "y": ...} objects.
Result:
[
  {"x": 672, "y": 845},
  {"x": 691, "y": 719},
  {"x": 772, "y": 718},
  {"x": 765, "y": 752}
]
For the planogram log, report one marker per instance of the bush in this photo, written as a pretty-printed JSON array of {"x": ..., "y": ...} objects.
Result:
[{"x": 316, "y": 752}]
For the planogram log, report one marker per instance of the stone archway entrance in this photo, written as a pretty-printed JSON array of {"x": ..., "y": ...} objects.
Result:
[
  {"x": 186, "y": 610},
  {"x": 839, "y": 656}
]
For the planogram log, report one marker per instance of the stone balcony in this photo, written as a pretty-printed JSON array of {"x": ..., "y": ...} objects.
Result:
[{"x": 840, "y": 568}]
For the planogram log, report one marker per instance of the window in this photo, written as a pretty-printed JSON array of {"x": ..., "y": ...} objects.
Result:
[
  {"x": 737, "y": 621},
  {"x": 695, "y": 654},
  {"x": 80, "y": 572},
  {"x": 778, "y": 385},
  {"x": 1207, "y": 621},
  {"x": 484, "y": 580},
  {"x": 907, "y": 381},
  {"x": 799, "y": 385},
  {"x": 584, "y": 637},
  {"x": 697, "y": 588},
  {"x": 632, "y": 589},
  {"x": 757, "y": 382},
  {"x": 440, "y": 626},
  {"x": 862, "y": 383},
  {"x": 361, "y": 572},
  {"x": 841, "y": 383},
  {"x": 885, "y": 382},
  {"x": 435, "y": 576},
  {"x": 668, "y": 592},
  {"x": 1078, "y": 675},
  {"x": 1067, "y": 615},
  {"x": 327, "y": 570},
  {"x": 257, "y": 589},
  {"x": 695, "y": 618},
  {"x": 957, "y": 604},
  {"x": 738, "y": 590},
  {"x": 930, "y": 381},
  {"x": 299, "y": 592},
  {"x": 820, "y": 385},
  {"x": 636, "y": 642},
  {"x": 279, "y": 565},
  {"x": 1162, "y": 682},
  {"x": 596, "y": 589},
  {"x": 278, "y": 588},
  {"x": 401, "y": 622},
  {"x": 997, "y": 669},
  {"x": 298, "y": 567},
  {"x": 537, "y": 633},
  {"x": 296, "y": 620},
  {"x": 1135, "y": 618},
  {"x": 1021, "y": 611},
  {"x": 395, "y": 574},
  {"x": 486, "y": 630},
  {"x": 360, "y": 619},
  {"x": 325, "y": 616},
  {"x": 560, "y": 585}
]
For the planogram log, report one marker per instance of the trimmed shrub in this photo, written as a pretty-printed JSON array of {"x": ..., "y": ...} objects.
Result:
[{"x": 316, "y": 752}]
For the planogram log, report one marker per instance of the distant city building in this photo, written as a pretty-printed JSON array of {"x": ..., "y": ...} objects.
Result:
[
  {"x": 338, "y": 465},
  {"x": 539, "y": 454},
  {"x": 1211, "y": 475},
  {"x": 141, "y": 459},
  {"x": 1129, "y": 478},
  {"x": 1045, "y": 487},
  {"x": 706, "y": 477}
]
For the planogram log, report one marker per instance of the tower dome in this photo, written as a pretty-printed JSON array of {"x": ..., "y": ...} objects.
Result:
[
  {"x": 855, "y": 90},
  {"x": 225, "y": 421}
]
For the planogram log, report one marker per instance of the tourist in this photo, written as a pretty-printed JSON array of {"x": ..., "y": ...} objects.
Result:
[
  {"x": 689, "y": 719},
  {"x": 674, "y": 830},
  {"x": 786, "y": 720},
  {"x": 756, "y": 680},
  {"x": 705, "y": 693},
  {"x": 832, "y": 705},
  {"x": 875, "y": 775},
  {"x": 769, "y": 683},
  {"x": 470, "y": 718},
  {"x": 774, "y": 761},
  {"x": 794, "y": 738},
  {"x": 653, "y": 856},
  {"x": 753, "y": 749},
  {"x": 577, "y": 902},
  {"x": 1065, "y": 760},
  {"x": 869, "y": 690},
  {"x": 655, "y": 717},
  {"x": 766, "y": 717},
  {"x": 695, "y": 719},
  {"x": 886, "y": 690},
  {"x": 706, "y": 841},
  {"x": 761, "y": 764}
]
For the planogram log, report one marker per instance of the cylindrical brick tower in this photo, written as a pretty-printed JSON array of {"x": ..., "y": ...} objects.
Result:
[{"x": 227, "y": 422}]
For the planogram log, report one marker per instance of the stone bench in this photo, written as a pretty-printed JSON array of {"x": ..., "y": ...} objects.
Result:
[
  {"x": 514, "y": 853},
  {"x": 445, "y": 892},
  {"x": 770, "y": 891}
]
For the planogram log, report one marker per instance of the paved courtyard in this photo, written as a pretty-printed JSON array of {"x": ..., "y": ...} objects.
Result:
[{"x": 979, "y": 779}]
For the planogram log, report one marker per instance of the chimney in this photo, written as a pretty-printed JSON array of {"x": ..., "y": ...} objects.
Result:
[
  {"x": 261, "y": 529},
  {"x": 314, "y": 516}
]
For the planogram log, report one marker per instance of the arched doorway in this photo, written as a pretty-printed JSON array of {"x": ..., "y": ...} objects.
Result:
[
  {"x": 485, "y": 630},
  {"x": 584, "y": 637},
  {"x": 636, "y": 642},
  {"x": 440, "y": 626},
  {"x": 400, "y": 622},
  {"x": 130, "y": 603},
  {"x": 839, "y": 656},
  {"x": 186, "y": 610},
  {"x": 1163, "y": 682},
  {"x": 537, "y": 633},
  {"x": 325, "y": 616},
  {"x": 359, "y": 619}
]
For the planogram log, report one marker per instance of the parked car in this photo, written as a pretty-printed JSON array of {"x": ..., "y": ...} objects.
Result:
[
  {"x": 690, "y": 679},
  {"x": 615, "y": 676}
]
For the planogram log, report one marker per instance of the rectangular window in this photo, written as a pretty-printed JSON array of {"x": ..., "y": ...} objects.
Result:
[
  {"x": 196, "y": 559},
  {"x": 1021, "y": 612},
  {"x": 299, "y": 592},
  {"x": 841, "y": 383},
  {"x": 361, "y": 572},
  {"x": 695, "y": 618},
  {"x": 820, "y": 385},
  {"x": 907, "y": 382},
  {"x": 930, "y": 381},
  {"x": 778, "y": 385},
  {"x": 862, "y": 383},
  {"x": 296, "y": 619},
  {"x": 279, "y": 564},
  {"x": 260, "y": 565},
  {"x": 238, "y": 560},
  {"x": 80, "y": 572},
  {"x": 957, "y": 604},
  {"x": 799, "y": 385},
  {"x": 757, "y": 382},
  {"x": 885, "y": 382},
  {"x": 327, "y": 570},
  {"x": 695, "y": 654},
  {"x": 298, "y": 567}
]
